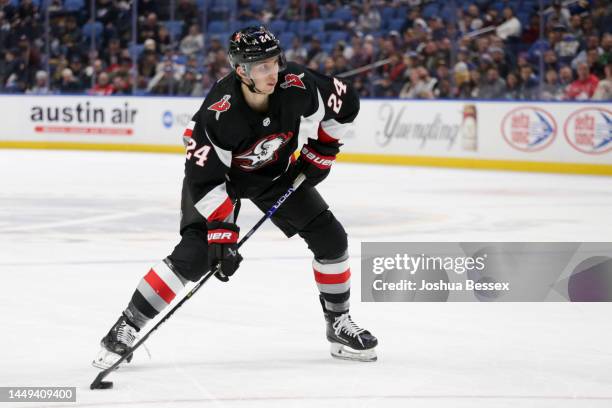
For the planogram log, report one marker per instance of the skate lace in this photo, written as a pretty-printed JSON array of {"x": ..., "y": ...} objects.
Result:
[
  {"x": 344, "y": 322},
  {"x": 126, "y": 334}
]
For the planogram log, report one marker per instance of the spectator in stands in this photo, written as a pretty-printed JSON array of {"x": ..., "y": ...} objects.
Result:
[
  {"x": 601, "y": 15},
  {"x": 606, "y": 47},
  {"x": 69, "y": 84},
  {"x": 187, "y": 11},
  {"x": 246, "y": 11},
  {"x": 213, "y": 49},
  {"x": 164, "y": 41},
  {"x": 41, "y": 86},
  {"x": 329, "y": 67},
  {"x": 147, "y": 64},
  {"x": 103, "y": 86},
  {"x": 193, "y": 42},
  {"x": 531, "y": 33},
  {"x": 511, "y": 27},
  {"x": 421, "y": 85},
  {"x": 558, "y": 12},
  {"x": 149, "y": 29},
  {"x": 500, "y": 60},
  {"x": 566, "y": 77},
  {"x": 293, "y": 12},
  {"x": 592, "y": 44},
  {"x": 552, "y": 89},
  {"x": 187, "y": 83},
  {"x": 111, "y": 53},
  {"x": 270, "y": 11},
  {"x": 202, "y": 87},
  {"x": 550, "y": 61},
  {"x": 512, "y": 87},
  {"x": 316, "y": 54},
  {"x": 603, "y": 92},
  {"x": 297, "y": 52},
  {"x": 579, "y": 36},
  {"x": 476, "y": 22},
  {"x": 528, "y": 86},
  {"x": 120, "y": 86},
  {"x": 493, "y": 86},
  {"x": 584, "y": 86},
  {"x": 568, "y": 46},
  {"x": 166, "y": 84},
  {"x": 369, "y": 19}
]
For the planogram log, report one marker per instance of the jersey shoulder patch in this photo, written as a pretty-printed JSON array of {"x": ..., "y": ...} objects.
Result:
[
  {"x": 220, "y": 106},
  {"x": 293, "y": 80},
  {"x": 219, "y": 99}
]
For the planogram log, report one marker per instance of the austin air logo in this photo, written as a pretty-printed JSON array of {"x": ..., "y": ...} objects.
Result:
[
  {"x": 589, "y": 130},
  {"x": 529, "y": 129}
]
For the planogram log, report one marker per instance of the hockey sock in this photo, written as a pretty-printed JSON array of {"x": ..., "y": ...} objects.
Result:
[
  {"x": 154, "y": 292},
  {"x": 333, "y": 277}
]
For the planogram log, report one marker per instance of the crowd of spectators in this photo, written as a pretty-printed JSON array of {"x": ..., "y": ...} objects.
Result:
[{"x": 410, "y": 48}]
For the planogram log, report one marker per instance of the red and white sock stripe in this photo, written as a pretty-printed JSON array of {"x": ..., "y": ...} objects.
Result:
[
  {"x": 332, "y": 278},
  {"x": 160, "y": 286}
]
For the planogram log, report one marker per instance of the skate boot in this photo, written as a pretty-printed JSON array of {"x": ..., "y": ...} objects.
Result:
[
  {"x": 117, "y": 342},
  {"x": 348, "y": 341}
]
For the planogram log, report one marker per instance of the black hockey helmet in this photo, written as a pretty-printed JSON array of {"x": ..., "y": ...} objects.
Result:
[{"x": 253, "y": 44}]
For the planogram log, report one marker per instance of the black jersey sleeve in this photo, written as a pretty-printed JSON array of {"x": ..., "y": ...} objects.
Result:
[
  {"x": 333, "y": 102},
  {"x": 206, "y": 165}
]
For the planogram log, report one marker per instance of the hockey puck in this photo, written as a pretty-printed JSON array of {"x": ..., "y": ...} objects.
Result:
[{"x": 102, "y": 385}]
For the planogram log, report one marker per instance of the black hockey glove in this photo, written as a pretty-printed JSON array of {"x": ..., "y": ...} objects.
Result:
[
  {"x": 222, "y": 249},
  {"x": 315, "y": 161}
]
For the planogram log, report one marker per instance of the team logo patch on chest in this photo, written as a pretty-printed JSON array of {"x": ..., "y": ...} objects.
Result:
[
  {"x": 293, "y": 80},
  {"x": 221, "y": 106},
  {"x": 263, "y": 152}
]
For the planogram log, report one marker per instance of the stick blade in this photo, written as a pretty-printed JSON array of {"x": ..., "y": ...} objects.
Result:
[{"x": 98, "y": 384}]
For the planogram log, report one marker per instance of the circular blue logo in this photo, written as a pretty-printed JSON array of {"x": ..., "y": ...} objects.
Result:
[{"x": 167, "y": 119}]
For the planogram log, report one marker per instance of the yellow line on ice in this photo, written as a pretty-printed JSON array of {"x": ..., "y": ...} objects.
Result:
[{"x": 430, "y": 161}]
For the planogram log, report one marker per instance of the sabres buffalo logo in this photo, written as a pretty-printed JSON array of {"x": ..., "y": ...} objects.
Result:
[
  {"x": 263, "y": 152},
  {"x": 293, "y": 80},
  {"x": 221, "y": 106}
]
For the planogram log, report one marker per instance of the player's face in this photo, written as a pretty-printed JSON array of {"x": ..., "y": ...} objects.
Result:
[{"x": 265, "y": 74}]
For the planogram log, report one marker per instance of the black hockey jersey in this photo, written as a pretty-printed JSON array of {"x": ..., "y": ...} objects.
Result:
[{"x": 230, "y": 145}]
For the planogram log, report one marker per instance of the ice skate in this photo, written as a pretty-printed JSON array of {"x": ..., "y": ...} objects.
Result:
[
  {"x": 349, "y": 341},
  {"x": 117, "y": 342}
]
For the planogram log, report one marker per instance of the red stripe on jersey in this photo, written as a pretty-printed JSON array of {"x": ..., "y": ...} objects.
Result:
[
  {"x": 188, "y": 132},
  {"x": 324, "y": 137},
  {"x": 222, "y": 211},
  {"x": 328, "y": 279},
  {"x": 159, "y": 286}
]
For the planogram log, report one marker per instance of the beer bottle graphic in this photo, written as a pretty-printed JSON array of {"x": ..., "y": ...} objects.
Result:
[{"x": 469, "y": 128}]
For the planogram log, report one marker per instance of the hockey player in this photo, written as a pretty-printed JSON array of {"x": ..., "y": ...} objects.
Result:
[{"x": 240, "y": 144}]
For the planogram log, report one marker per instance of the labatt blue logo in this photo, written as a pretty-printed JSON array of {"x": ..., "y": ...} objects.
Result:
[
  {"x": 529, "y": 129},
  {"x": 589, "y": 130}
]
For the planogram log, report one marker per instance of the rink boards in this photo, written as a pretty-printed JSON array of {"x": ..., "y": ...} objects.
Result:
[{"x": 524, "y": 136}]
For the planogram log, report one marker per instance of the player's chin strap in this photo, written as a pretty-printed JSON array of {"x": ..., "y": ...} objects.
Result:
[
  {"x": 252, "y": 87},
  {"x": 251, "y": 84}
]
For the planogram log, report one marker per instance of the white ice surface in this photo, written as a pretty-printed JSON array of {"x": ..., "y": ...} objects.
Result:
[{"x": 79, "y": 229}]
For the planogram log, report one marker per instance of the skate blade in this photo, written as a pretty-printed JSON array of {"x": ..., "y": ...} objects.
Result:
[
  {"x": 105, "y": 359},
  {"x": 343, "y": 352}
]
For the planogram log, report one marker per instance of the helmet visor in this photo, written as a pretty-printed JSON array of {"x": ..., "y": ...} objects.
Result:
[{"x": 261, "y": 69}]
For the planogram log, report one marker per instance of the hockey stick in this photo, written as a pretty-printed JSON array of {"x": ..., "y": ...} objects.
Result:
[{"x": 98, "y": 383}]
